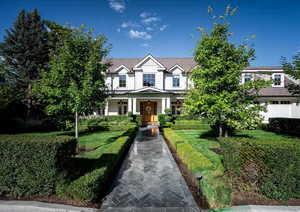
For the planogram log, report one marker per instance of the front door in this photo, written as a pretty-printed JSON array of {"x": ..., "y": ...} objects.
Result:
[{"x": 149, "y": 111}]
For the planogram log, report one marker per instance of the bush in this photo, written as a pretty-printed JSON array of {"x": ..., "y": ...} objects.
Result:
[
  {"x": 88, "y": 187},
  {"x": 100, "y": 124},
  {"x": 138, "y": 120},
  {"x": 33, "y": 165},
  {"x": 190, "y": 124},
  {"x": 214, "y": 186},
  {"x": 289, "y": 126},
  {"x": 272, "y": 165}
]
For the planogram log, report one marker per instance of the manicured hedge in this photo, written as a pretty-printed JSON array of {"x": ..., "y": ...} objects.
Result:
[
  {"x": 289, "y": 126},
  {"x": 214, "y": 186},
  {"x": 190, "y": 124},
  {"x": 33, "y": 165},
  {"x": 100, "y": 124},
  {"x": 272, "y": 165},
  {"x": 88, "y": 187}
]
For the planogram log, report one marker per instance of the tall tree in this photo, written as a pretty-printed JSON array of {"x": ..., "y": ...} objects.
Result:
[
  {"x": 76, "y": 80},
  {"x": 217, "y": 93},
  {"x": 293, "y": 69},
  {"x": 25, "y": 50}
]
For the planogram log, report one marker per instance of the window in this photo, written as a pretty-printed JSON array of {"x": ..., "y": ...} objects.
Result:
[
  {"x": 149, "y": 80},
  {"x": 277, "y": 80},
  {"x": 285, "y": 102},
  {"x": 176, "y": 81},
  {"x": 247, "y": 77},
  {"x": 120, "y": 110},
  {"x": 122, "y": 81},
  {"x": 274, "y": 102}
]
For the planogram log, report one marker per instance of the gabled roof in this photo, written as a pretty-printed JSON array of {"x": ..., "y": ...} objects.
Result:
[
  {"x": 147, "y": 58},
  {"x": 148, "y": 90},
  {"x": 186, "y": 63}
]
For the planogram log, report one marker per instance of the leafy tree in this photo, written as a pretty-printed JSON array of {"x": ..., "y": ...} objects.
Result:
[
  {"x": 75, "y": 82},
  {"x": 7, "y": 92},
  {"x": 293, "y": 69},
  {"x": 25, "y": 50},
  {"x": 217, "y": 93}
]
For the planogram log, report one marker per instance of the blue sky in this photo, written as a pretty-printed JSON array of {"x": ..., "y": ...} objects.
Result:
[{"x": 167, "y": 28}]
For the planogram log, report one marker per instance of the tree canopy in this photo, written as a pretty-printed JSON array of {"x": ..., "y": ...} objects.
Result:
[
  {"x": 76, "y": 80},
  {"x": 217, "y": 93},
  {"x": 293, "y": 69}
]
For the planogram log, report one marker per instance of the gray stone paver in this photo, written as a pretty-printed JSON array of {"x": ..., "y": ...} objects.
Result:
[{"x": 149, "y": 180}]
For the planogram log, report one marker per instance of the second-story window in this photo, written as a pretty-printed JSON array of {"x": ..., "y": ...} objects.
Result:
[
  {"x": 149, "y": 80},
  {"x": 176, "y": 81},
  {"x": 247, "y": 78},
  {"x": 277, "y": 80},
  {"x": 122, "y": 81}
]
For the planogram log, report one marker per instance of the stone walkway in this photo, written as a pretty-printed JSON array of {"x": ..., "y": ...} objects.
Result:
[{"x": 149, "y": 180}]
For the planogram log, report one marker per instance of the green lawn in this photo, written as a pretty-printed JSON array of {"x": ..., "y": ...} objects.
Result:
[{"x": 97, "y": 142}]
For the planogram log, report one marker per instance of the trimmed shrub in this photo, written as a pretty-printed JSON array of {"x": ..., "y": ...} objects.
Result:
[
  {"x": 190, "y": 124},
  {"x": 88, "y": 187},
  {"x": 272, "y": 165},
  {"x": 213, "y": 185},
  {"x": 33, "y": 165},
  {"x": 289, "y": 126},
  {"x": 99, "y": 124}
]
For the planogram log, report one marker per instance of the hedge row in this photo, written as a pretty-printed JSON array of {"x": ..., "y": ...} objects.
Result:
[
  {"x": 100, "y": 124},
  {"x": 33, "y": 165},
  {"x": 289, "y": 126},
  {"x": 213, "y": 185},
  {"x": 88, "y": 187},
  {"x": 190, "y": 124},
  {"x": 272, "y": 165}
]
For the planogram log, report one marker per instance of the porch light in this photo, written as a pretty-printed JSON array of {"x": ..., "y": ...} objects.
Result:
[{"x": 198, "y": 178}]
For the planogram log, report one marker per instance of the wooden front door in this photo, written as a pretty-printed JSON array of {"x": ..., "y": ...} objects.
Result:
[{"x": 148, "y": 111}]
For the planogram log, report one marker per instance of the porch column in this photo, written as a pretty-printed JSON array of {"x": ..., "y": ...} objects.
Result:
[
  {"x": 168, "y": 104},
  {"x": 129, "y": 104},
  {"x": 134, "y": 106},
  {"x": 163, "y": 104},
  {"x": 106, "y": 108}
]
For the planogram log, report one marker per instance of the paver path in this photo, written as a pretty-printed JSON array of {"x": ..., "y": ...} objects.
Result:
[{"x": 149, "y": 180}]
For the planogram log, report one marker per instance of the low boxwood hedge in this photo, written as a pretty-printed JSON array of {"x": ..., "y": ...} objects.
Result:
[
  {"x": 272, "y": 165},
  {"x": 190, "y": 124},
  {"x": 289, "y": 126},
  {"x": 214, "y": 186},
  {"x": 33, "y": 165},
  {"x": 88, "y": 187}
]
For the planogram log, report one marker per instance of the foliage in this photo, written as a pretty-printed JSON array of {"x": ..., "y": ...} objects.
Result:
[
  {"x": 32, "y": 165},
  {"x": 293, "y": 69},
  {"x": 217, "y": 93},
  {"x": 75, "y": 82},
  {"x": 100, "y": 124},
  {"x": 195, "y": 153},
  {"x": 270, "y": 164},
  {"x": 7, "y": 91},
  {"x": 289, "y": 126},
  {"x": 190, "y": 124},
  {"x": 89, "y": 186},
  {"x": 25, "y": 51}
]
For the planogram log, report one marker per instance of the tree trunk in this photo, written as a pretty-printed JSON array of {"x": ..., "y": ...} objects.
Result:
[
  {"x": 226, "y": 133},
  {"x": 76, "y": 125},
  {"x": 220, "y": 130},
  {"x": 28, "y": 101}
]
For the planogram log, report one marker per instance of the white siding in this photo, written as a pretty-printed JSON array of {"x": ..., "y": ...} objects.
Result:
[{"x": 169, "y": 80}]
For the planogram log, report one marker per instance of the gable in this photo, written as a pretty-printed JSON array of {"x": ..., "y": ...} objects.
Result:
[{"x": 149, "y": 62}]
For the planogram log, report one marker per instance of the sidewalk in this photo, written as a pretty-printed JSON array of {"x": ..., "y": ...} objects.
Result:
[{"x": 259, "y": 208}]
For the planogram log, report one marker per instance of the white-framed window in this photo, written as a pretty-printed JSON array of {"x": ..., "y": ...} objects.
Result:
[
  {"x": 122, "y": 81},
  {"x": 246, "y": 77},
  {"x": 176, "y": 81},
  {"x": 278, "y": 80},
  {"x": 148, "y": 80}
]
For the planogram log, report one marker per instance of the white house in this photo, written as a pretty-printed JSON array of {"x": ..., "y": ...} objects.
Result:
[{"x": 149, "y": 85}]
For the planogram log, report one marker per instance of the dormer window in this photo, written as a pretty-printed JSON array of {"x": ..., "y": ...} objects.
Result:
[
  {"x": 149, "y": 80},
  {"x": 122, "y": 81},
  {"x": 277, "y": 80},
  {"x": 176, "y": 81}
]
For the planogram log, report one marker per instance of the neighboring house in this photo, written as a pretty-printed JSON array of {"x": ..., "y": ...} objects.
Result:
[{"x": 149, "y": 85}]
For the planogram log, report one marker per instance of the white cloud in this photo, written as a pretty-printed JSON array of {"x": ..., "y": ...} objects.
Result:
[
  {"x": 139, "y": 34},
  {"x": 150, "y": 20},
  {"x": 162, "y": 28},
  {"x": 146, "y": 45},
  {"x": 145, "y": 14},
  {"x": 117, "y": 5},
  {"x": 129, "y": 24},
  {"x": 149, "y": 28},
  {"x": 118, "y": 30}
]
